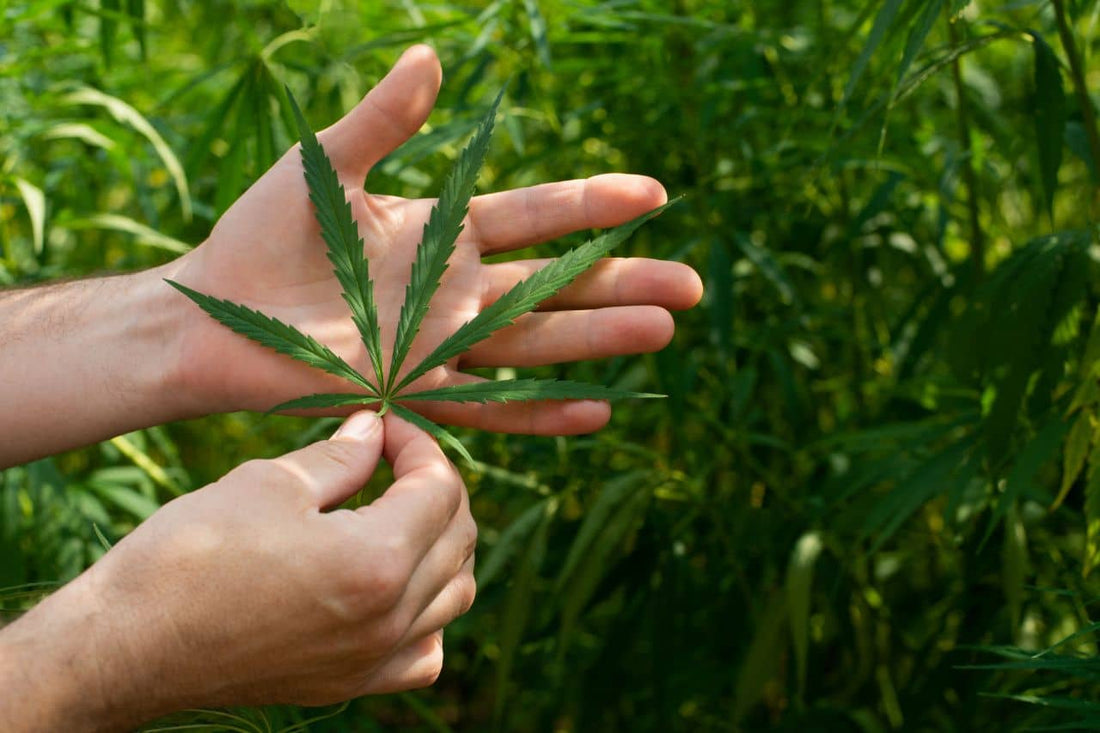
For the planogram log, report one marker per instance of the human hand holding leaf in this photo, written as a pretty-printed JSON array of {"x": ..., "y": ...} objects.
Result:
[{"x": 265, "y": 255}]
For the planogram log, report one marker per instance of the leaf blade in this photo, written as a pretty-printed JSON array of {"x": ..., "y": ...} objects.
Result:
[
  {"x": 509, "y": 390},
  {"x": 1050, "y": 118},
  {"x": 324, "y": 400},
  {"x": 527, "y": 294},
  {"x": 274, "y": 334},
  {"x": 437, "y": 432},
  {"x": 440, "y": 235},
  {"x": 341, "y": 236}
]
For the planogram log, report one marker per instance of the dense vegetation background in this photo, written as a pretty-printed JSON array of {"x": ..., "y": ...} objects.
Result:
[{"x": 872, "y": 499}]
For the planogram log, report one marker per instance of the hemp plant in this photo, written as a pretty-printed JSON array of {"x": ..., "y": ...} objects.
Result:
[{"x": 387, "y": 387}]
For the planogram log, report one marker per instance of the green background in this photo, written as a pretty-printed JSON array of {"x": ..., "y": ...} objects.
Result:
[{"x": 843, "y": 517}]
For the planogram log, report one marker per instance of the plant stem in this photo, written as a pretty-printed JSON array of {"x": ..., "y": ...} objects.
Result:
[
  {"x": 970, "y": 178},
  {"x": 1080, "y": 88}
]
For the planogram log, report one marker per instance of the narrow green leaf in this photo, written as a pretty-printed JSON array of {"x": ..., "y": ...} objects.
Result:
[
  {"x": 507, "y": 545},
  {"x": 341, "y": 235},
  {"x": 274, "y": 334},
  {"x": 440, "y": 234},
  {"x": 136, "y": 10},
  {"x": 1014, "y": 565},
  {"x": 883, "y": 21},
  {"x": 772, "y": 271},
  {"x": 1050, "y": 118},
  {"x": 538, "y": 31},
  {"x": 318, "y": 401},
  {"x": 1092, "y": 512},
  {"x": 799, "y": 586},
  {"x": 441, "y": 435},
  {"x": 1075, "y": 452},
  {"x": 761, "y": 662},
  {"x": 604, "y": 552},
  {"x": 517, "y": 610},
  {"x": 918, "y": 34},
  {"x": 598, "y": 515},
  {"x": 128, "y": 115},
  {"x": 527, "y": 294},
  {"x": 35, "y": 201},
  {"x": 143, "y": 234},
  {"x": 509, "y": 390}
]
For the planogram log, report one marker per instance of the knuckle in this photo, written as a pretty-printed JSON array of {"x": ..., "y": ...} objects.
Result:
[
  {"x": 253, "y": 471},
  {"x": 340, "y": 452},
  {"x": 431, "y": 665},
  {"x": 386, "y": 584},
  {"x": 470, "y": 536},
  {"x": 467, "y": 592},
  {"x": 390, "y": 632}
]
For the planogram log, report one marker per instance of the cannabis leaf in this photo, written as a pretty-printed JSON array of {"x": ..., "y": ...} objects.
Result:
[{"x": 345, "y": 249}]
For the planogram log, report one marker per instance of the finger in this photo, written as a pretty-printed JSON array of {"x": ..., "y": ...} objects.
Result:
[
  {"x": 538, "y": 339},
  {"x": 453, "y": 600},
  {"x": 547, "y": 417},
  {"x": 446, "y": 564},
  {"x": 508, "y": 220},
  {"x": 415, "y": 665},
  {"x": 332, "y": 470},
  {"x": 420, "y": 504},
  {"x": 614, "y": 281},
  {"x": 389, "y": 115}
]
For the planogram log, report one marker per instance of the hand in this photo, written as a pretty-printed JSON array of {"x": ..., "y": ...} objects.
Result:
[
  {"x": 248, "y": 592},
  {"x": 266, "y": 252}
]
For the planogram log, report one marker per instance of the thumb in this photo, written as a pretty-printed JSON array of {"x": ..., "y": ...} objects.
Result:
[
  {"x": 332, "y": 470},
  {"x": 389, "y": 115}
]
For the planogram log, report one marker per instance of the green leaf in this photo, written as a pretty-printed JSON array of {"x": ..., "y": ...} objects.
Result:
[
  {"x": 440, "y": 234},
  {"x": 509, "y": 390},
  {"x": 320, "y": 401},
  {"x": 274, "y": 334},
  {"x": 612, "y": 496},
  {"x": 341, "y": 235},
  {"x": 527, "y": 294},
  {"x": 1014, "y": 564},
  {"x": 507, "y": 545},
  {"x": 1074, "y": 453},
  {"x": 517, "y": 609},
  {"x": 127, "y": 115},
  {"x": 35, "y": 201},
  {"x": 143, "y": 234},
  {"x": 441, "y": 435},
  {"x": 772, "y": 271},
  {"x": 1092, "y": 512},
  {"x": 918, "y": 34},
  {"x": 538, "y": 31},
  {"x": 1050, "y": 118},
  {"x": 604, "y": 550},
  {"x": 799, "y": 586},
  {"x": 883, "y": 21}
]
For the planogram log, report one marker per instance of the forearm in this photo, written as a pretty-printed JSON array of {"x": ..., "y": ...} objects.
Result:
[
  {"x": 86, "y": 360},
  {"x": 59, "y": 668}
]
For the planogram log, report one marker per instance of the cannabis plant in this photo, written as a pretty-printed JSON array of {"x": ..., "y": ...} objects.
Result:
[{"x": 387, "y": 387}]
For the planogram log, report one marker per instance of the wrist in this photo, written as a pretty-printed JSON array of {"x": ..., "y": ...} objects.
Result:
[{"x": 155, "y": 345}]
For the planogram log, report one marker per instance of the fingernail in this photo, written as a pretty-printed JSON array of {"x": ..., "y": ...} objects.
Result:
[{"x": 359, "y": 426}]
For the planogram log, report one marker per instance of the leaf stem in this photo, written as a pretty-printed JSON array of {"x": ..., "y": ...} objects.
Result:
[{"x": 1080, "y": 88}]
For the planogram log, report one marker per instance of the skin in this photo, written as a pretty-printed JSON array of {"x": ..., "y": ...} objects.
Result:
[
  {"x": 110, "y": 371},
  {"x": 248, "y": 591}
]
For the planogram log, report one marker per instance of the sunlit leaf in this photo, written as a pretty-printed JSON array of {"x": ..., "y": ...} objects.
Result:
[
  {"x": 273, "y": 334},
  {"x": 527, "y": 294},
  {"x": 439, "y": 238}
]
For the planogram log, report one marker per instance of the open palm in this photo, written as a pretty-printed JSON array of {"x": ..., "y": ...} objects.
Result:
[{"x": 267, "y": 253}]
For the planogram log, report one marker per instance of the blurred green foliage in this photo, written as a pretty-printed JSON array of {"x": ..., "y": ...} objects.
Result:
[{"x": 845, "y": 516}]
